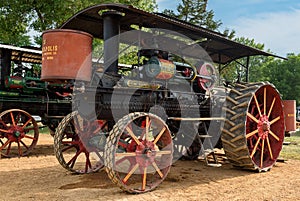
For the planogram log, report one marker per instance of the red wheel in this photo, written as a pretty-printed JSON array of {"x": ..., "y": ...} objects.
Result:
[
  {"x": 138, "y": 153},
  {"x": 19, "y": 133},
  {"x": 265, "y": 126},
  {"x": 79, "y": 144},
  {"x": 254, "y": 128}
]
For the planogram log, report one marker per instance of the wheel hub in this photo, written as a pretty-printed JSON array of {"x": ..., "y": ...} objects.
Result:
[
  {"x": 263, "y": 126},
  {"x": 15, "y": 134},
  {"x": 145, "y": 153}
]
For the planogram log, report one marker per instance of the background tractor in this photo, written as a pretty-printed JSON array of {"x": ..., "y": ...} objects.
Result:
[{"x": 25, "y": 100}]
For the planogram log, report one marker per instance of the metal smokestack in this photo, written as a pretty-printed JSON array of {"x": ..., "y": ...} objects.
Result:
[{"x": 111, "y": 28}]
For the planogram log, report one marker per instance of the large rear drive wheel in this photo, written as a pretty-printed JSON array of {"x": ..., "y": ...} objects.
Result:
[
  {"x": 254, "y": 128},
  {"x": 138, "y": 152}
]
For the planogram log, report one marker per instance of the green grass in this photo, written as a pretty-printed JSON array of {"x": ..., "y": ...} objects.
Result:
[
  {"x": 291, "y": 151},
  {"x": 44, "y": 130}
]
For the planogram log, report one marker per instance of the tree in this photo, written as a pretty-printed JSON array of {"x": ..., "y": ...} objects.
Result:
[
  {"x": 18, "y": 17},
  {"x": 13, "y": 25},
  {"x": 236, "y": 71},
  {"x": 285, "y": 75},
  {"x": 195, "y": 12}
]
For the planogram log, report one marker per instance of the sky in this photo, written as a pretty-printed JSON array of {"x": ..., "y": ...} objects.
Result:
[{"x": 275, "y": 23}]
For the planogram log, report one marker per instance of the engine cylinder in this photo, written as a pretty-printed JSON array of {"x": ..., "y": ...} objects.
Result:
[{"x": 160, "y": 69}]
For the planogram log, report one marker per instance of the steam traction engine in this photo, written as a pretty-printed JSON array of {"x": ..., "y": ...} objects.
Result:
[
  {"x": 137, "y": 119},
  {"x": 25, "y": 100}
]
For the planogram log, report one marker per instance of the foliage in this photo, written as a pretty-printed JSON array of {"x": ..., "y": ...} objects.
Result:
[
  {"x": 13, "y": 26},
  {"x": 236, "y": 71},
  {"x": 18, "y": 17},
  {"x": 285, "y": 75},
  {"x": 195, "y": 12},
  {"x": 291, "y": 151}
]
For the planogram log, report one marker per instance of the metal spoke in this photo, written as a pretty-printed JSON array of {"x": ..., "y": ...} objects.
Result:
[
  {"x": 255, "y": 147},
  {"x": 274, "y": 135},
  {"x": 119, "y": 161},
  {"x": 271, "y": 108},
  {"x": 5, "y": 144},
  {"x": 70, "y": 142},
  {"x": 269, "y": 146},
  {"x": 29, "y": 137},
  {"x": 163, "y": 152},
  {"x": 27, "y": 122},
  {"x": 67, "y": 148},
  {"x": 125, "y": 154},
  {"x": 144, "y": 179},
  {"x": 2, "y": 123},
  {"x": 24, "y": 144},
  {"x": 98, "y": 155},
  {"x": 252, "y": 117},
  {"x": 73, "y": 159},
  {"x": 257, "y": 105},
  {"x": 274, "y": 120},
  {"x": 147, "y": 128},
  {"x": 4, "y": 131},
  {"x": 88, "y": 162},
  {"x": 265, "y": 100},
  {"x": 130, "y": 173},
  {"x": 159, "y": 135},
  {"x": 8, "y": 148},
  {"x": 133, "y": 135},
  {"x": 72, "y": 163},
  {"x": 252, "y": 133},
  {"x": 12, "y": 118},
  {"x": 262, "y": 153},
  {"x": 19, "y": 149},
  {"x": 157, "y": 169}
]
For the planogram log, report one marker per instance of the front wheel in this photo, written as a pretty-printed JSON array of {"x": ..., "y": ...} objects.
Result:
[{"x": 138, "y": 152}]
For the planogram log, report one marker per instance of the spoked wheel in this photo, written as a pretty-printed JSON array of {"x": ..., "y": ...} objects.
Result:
[
  {"x": 254, "y": 129},
  {"x": 19, "y": 133},
  {"x": 138, "y": 152},
  {"x": 79, "y": 144}
]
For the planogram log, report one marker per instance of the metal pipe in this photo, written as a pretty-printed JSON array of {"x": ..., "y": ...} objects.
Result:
[
  {"x": 111, "y": 28},
  {"x": 247, "y": 69}
]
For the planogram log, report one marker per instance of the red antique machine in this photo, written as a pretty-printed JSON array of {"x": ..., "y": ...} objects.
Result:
[{"x": 165, "y": 103}]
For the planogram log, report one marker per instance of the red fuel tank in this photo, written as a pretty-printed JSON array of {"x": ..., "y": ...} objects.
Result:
[{"x": 66, "y": 54}]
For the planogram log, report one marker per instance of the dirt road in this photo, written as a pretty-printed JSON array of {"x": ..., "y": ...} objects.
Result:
[{"x": 40, "y": 177}]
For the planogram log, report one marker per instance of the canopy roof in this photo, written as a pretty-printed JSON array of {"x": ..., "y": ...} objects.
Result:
[
  {"x": 26, "y": 55},
  {"x": 220, "y": 49}
]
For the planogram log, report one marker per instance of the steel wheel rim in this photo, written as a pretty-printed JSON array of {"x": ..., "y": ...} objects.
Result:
[
  {"x": 141, "y": 163},
  {"x": 19, "y": 133},
  {"x": 264, "y": 127},
  {"x": 73, "y": 149}
]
